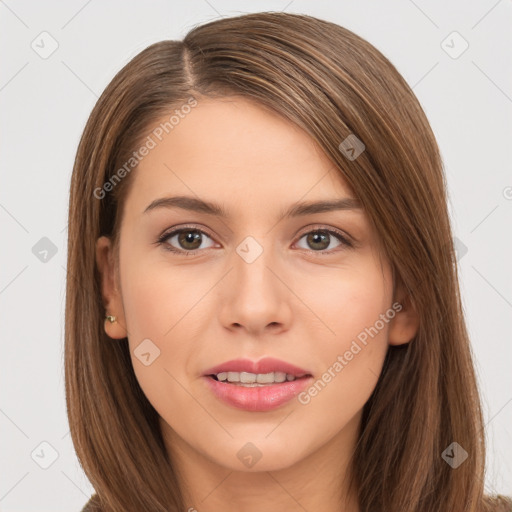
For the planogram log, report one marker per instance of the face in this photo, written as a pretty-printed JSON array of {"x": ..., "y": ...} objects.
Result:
[{"x": 196, "y": 289}]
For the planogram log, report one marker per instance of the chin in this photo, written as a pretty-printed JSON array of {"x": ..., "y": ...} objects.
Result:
[{"x": 257, "y": 455}]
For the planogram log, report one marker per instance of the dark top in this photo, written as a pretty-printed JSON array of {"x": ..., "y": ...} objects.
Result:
[{"x": 91, "y": 505}]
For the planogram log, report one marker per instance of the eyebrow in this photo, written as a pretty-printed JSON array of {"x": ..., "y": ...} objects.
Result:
[{"x": 295, "y": 210}]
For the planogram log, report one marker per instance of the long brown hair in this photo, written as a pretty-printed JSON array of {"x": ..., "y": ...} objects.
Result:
[{"x": 333, "y": 84}]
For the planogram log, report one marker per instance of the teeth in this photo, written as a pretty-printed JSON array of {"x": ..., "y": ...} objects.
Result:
[{"x": 254, "y": 378}]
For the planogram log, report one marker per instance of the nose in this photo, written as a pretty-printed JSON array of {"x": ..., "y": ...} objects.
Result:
[{"x": 255, "y": 295}]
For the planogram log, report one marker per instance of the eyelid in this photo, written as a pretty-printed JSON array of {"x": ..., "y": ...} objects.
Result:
[
  {"x": 346, "y": 238},
  {"x": 175, "y": 229}
]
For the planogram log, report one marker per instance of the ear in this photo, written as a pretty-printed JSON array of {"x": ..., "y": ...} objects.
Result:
[
  {"x": 404, "y": 325},
  {"x": 110, "y": 290}
]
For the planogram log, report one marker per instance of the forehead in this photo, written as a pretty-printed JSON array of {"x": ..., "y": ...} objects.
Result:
[{"x": 236, "y": 151}]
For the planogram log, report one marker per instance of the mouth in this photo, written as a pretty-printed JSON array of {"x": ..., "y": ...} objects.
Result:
[
  {"x": 256, "y": 386},
  {"x": 256, "y": 396}
]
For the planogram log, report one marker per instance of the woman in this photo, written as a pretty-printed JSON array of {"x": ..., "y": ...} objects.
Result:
[{"x": 263, "y": 308}]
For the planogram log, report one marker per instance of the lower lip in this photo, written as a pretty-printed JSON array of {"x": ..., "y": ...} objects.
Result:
[{"x": 258, "y": 398}]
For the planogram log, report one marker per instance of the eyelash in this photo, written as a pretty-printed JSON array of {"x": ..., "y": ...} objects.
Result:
[{"x": 164, "y": 237}]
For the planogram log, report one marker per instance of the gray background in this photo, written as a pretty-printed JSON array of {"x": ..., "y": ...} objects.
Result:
[{"x": 45, "y": 103}]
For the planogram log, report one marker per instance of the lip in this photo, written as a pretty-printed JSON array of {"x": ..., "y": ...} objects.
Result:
[
  {"x": 257, "y": 399},
  {"x": 265, "y": 365}
]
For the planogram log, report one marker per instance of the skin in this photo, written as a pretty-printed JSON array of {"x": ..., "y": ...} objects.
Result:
[{"x": 291, "y": 303}]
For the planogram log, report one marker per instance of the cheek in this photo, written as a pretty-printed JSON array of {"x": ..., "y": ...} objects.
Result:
[
  {"x": 353, "y": 348},
  {"x": 156, "y": 297},
  {"x": 156, "y": 302},
  {"x": 346, "y": 300},
  {"x": 351, "y": 371}
]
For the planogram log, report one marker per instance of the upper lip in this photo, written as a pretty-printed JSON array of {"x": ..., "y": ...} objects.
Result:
[{"x": 265, "y": 365}]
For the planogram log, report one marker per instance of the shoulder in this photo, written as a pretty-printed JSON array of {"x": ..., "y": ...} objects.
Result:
[
  {"x": 497, "y": 503},
  {"x": 92, "y": 505}
]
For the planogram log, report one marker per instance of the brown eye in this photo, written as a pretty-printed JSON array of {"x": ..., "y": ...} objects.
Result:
[
  {"x": 184, "y": 240},
  {"x": 319, "y": 240},
  {"x": 189, "y": 239}
]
